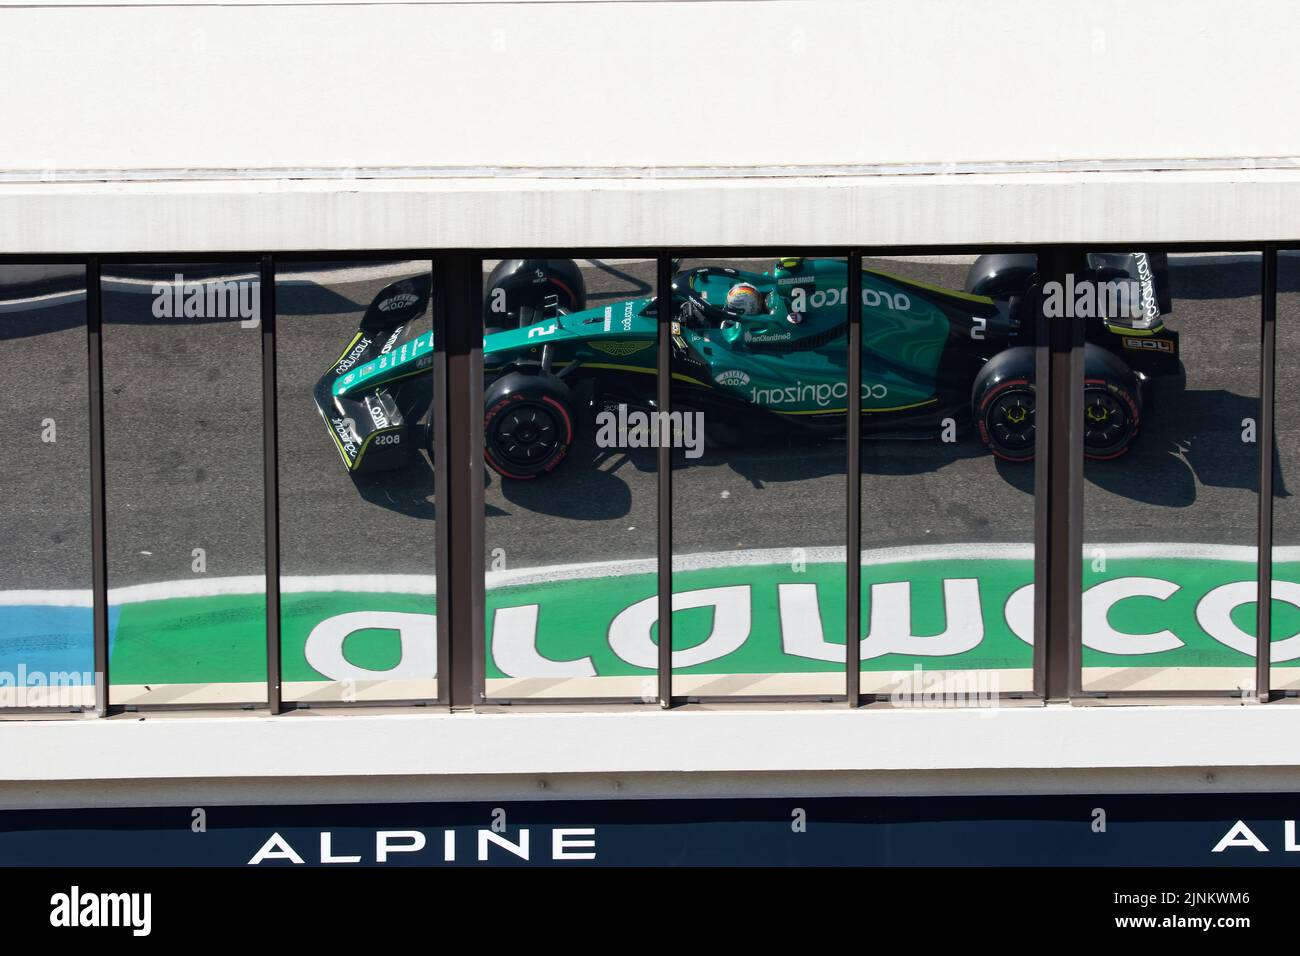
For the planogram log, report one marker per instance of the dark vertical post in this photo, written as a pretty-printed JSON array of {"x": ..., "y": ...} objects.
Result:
[
  {"x": 98, "y": 535},
  {"x": 441, "y": 487},
  {"x": 457, "y": 286},
  {"x": 1058, "y": 554},
  {"x": 1266, "y": 440},
  {"x": 853, "y": 489},
  {"x": 1042, "y": 485},
  {"x": 663, "y": 402},
  {"x": 271, "y": 485}
]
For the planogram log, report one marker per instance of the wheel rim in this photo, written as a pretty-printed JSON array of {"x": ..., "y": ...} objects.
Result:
[
  {"x": 1106, "y": 422},
  {"x": 526, "y": 435},
  {"x": 1011, "y": 422}
]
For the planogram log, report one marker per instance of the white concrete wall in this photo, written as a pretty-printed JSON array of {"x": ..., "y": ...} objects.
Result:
[
  {"x": 549, "y": 86},
  {"x": 696, "y": 751},
  {"x": 521, "y": 123},
  {"x": 551, "y": 785}
]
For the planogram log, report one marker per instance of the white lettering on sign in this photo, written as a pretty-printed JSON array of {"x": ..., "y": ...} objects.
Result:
[
  {"x": 417, "y": 636},
  {"x": 1100, "y": 598},
  {"x": 1214, "y": 614},
  {"x": 630, "y": 638},
  {"x": 514, "y": 647},
  {"x": 798, "y": 616}
]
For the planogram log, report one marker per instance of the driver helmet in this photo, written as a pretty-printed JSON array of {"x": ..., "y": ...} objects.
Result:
[{"x": 744, "y": 297}]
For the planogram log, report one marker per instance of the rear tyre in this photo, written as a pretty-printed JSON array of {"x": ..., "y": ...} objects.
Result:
[
  {"x": 1111, "y": 417},
  {"x": 1112, "y": 405},
  {"x": 522, "y": 292},
  {"x": 1002, "y": 274},
  {"x": 527, "y": 425}
]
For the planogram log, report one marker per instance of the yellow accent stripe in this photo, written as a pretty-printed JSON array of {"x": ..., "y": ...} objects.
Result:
[
  {"x": 346, "y": 349},
  {"x": 369, "y": 438},
  {"x": 1122, "y": 330},
  {"x": 832, "y": 411},
  {"x": 983, "y": 299},
  {"x": 356, "y": 462},
  {"x": 338, "y": 443},
  {"x": 635, "y": 368},
  {"x": 404, "y": 375},
  {"x": 619, "y": 368}
]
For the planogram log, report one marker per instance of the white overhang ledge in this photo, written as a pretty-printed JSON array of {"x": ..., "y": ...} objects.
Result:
[
  {"x": 73, "y": 216},
  {"x": 442, "y": 744}
]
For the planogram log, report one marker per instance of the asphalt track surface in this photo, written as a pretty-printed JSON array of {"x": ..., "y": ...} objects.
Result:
[{"x": 184, "y": 447}]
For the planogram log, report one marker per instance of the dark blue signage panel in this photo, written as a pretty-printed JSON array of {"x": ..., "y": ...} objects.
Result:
[{"x": 1098, "y": 830}]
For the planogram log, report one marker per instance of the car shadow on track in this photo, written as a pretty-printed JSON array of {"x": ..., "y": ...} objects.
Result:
[
  {"x": 308, "y": 298},
  {"x": 805, "y": 459},
  {"x": 1196, "y": 440},
  {"x": 590, "y": 485},
  {"x": 895, "y": 458},
  {"x": 596, "y": 484},
  {"x": 408, "y": 491}
]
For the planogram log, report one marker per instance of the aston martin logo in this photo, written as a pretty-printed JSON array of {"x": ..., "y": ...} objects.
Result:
[{"x": 621, "y": 349}]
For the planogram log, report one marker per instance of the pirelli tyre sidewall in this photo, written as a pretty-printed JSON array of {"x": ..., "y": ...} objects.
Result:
[
  {"x": 1003, "y": 404},
  {"x": 527, "y": 425},
  {"x": 1112, "y": 405}
]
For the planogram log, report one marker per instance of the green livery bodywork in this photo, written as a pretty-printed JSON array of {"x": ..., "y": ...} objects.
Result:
[
  {"x": 931, "y": 360},
  {"x": 790, "y": 361}
]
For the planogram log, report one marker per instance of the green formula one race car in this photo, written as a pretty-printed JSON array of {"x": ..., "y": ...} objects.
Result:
[{"x": 759, "y": 354}]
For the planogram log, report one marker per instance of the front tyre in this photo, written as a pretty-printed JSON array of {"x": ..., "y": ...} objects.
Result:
[
  {"x": 527, "y": 425},
  {"x": 1003, "y": 404}
]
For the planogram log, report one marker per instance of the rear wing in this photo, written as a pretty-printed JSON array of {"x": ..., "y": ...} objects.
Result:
[
  {"x": 1148, "y": 274},
  {"x": 1135, "y": 284}
]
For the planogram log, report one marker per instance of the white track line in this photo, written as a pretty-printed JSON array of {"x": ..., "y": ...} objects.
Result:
[{"x": 423, "y": 584}]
